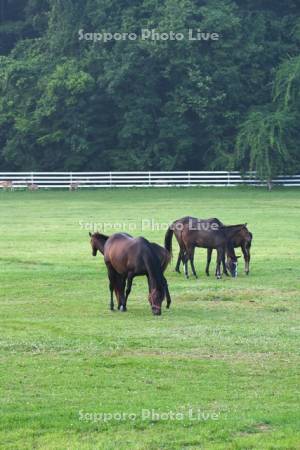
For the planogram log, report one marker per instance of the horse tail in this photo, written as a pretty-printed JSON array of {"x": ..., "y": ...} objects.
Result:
[{"x": 168, "y": 239}]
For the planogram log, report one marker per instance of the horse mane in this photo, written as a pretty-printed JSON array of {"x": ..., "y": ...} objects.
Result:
[
  {"x": 99, "y": 235},
  {"x": 240, "y": 225},
  {"x": 102, "y": 238},
  {"x": 217, "y": 221}
]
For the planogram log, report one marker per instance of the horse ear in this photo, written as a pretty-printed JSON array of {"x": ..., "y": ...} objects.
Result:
[
  {"x": 90, "y": 234},
  {"x": 245, "y": 224}
]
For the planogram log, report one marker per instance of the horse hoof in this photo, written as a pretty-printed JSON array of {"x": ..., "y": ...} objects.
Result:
[{"x": 123, "y": 308}]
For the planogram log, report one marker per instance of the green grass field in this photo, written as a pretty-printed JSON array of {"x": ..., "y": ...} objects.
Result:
[{"x": 228, "y": 350}]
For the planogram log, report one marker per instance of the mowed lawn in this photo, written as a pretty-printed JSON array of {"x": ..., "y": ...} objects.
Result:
[{"x": 228, "y": 350}]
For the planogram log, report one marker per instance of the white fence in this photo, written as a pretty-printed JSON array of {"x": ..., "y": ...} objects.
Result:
[{"x": 78, "y": 180}]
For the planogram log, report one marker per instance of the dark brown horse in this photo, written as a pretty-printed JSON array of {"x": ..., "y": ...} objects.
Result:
[
  {"x": 191, "y": 233},
  {"x": 98, "y": 241},
  {"x": 161, "y": 252},
  {"x": 242, "y": 239},
  {"x": 127, "y": 257}
]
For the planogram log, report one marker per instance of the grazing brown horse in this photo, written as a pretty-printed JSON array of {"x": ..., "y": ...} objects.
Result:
[
  {"x": 191, "y": 233},
  {"x": 242, "y": 239},
  {"x": 127, "y": 257},
  {"x": 98, "y": 241}
]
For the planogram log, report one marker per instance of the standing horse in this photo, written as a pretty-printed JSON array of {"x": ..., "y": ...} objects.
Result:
[
  {"x": 98, "y": 241},
  {"x": 191, "y": 233},
  {"x": 127, "y": 257},
  {"x": 242, "y": 239}
]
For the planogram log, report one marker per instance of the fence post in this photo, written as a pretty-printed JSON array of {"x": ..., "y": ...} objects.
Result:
[
  {"x": 149, "y": 177},
  {"x": 189, "y": 178},
  {"x": 228, "y": 178},
  {"x": 110, "y": 179},
  {"x": 32, "y": 178}
]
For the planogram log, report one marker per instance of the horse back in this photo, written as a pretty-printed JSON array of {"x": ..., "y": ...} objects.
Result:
[
  {"x": 204, "y": 233},
  {"x": 125, "y": 253},
  {"x": 243, "y": 237}
]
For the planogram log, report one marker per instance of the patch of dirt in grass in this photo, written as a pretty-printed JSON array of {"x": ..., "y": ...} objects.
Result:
[
  {"x": 256, "y": 428},
  {"x": 25, "y": 262},
  {"x": 254, "y": 358},
  {"x": 263, "y": 427},
  {"x": 257, "y": 298},
  {"x": 279, "y": 309}
]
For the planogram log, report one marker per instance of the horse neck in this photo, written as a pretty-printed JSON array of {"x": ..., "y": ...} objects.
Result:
[
  {"x": 230, "y": 250},
  {"x": 155, "y": 275},
  {"x": 100, "y": 242},
  {"x": 154, "y": 283}
]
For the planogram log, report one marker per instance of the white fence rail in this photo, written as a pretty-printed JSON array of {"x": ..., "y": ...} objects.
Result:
[{"x": 78, "y": 180}]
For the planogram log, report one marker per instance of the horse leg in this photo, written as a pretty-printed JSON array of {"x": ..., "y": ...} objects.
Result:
[
  {"x": 111, "y": 276},
  {"x": 224, "y": 266},
  {"x": 167, "y": 294},
  {"x": 179, "y": 259},
  {"x": 185, "y": 263},
  {"x": 128, "y": 288},
  {"x": 118, "y": 287},
  {"x": 209, "y": 253},
  {"x": 111, "y": 288},
  {"x": 220, "y": 256},
  {"x": 248, "y": 261},
  {"x": 129, "y": 285},
  {"x": 192, "y": 255},
  {"x": 123, "y": 307},
  {"x": 246, "y": 254}
]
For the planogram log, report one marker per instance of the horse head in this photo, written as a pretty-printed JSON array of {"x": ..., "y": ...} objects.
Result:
[
  {"x": 93, "y": 244},
  {"x": 232, "y": 265},
  {"x": 156, "y": 297},
  {"x": 232, "y": 260},
  {"x": 97, "y": 242}
]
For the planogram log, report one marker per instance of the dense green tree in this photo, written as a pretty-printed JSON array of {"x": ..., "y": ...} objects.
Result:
[
  {"x": 262, "y": 143},
  {"x": 75, "y": 104},
  {"x": 268, "y": 138}
]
